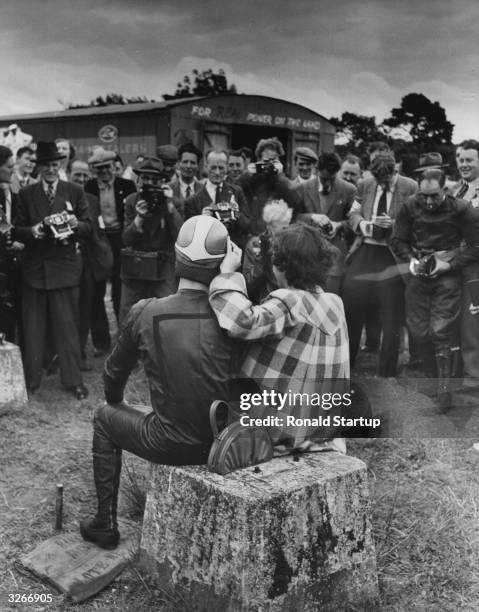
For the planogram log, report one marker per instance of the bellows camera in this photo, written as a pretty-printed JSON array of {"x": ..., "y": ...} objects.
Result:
[
  {"x": 226, "y": 212},
  {"x": 58, "y": 225}
]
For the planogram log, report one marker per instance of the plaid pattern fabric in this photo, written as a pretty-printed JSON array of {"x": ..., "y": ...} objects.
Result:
[{"x": 301, "y": 345}]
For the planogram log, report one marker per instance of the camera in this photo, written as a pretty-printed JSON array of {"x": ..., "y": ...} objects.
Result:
[
  {"x": 154, "y": 196},
  {"x": 327, "y": 228},
  {"x": 58, "y": 226},
  {"x": 226, "y": 212},
  {"x": 266, "y": 168},
  {"x": 426, "y": 265}
]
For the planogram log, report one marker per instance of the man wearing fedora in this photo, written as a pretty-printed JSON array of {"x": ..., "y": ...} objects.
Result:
[
  {"x": 51, "y": 267},
  {"x": 111, "y": 191},
  {"x": 152, "y": 223},
  {"x": 429, "y": 233},
  {"x": 467, "y": 159},
  {"x": 305, "y": 160}
]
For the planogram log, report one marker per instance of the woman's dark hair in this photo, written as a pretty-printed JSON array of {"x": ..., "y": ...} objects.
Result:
[
  {"x": 304, "y": 255},
  {"x": 5, "y": 154}
]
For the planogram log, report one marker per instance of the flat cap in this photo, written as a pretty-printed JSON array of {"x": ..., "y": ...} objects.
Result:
[
  {"x": 306, "y": 153},
  {"x": 167, "y": 153},
  {"x": 101, "y": 157},
  {"x": 151, "y": 165}
]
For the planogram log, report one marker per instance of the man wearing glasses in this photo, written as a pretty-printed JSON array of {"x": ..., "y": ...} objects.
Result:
[{"x": 428, "y": 233}]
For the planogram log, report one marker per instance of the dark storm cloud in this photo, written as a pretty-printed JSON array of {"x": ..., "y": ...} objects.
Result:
[{"x": 334, "y": 56}]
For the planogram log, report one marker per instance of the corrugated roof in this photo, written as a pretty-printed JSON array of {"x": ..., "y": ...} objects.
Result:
[
  {"x": 112, "y": 109},
  {"x": 101, "y": 110}
]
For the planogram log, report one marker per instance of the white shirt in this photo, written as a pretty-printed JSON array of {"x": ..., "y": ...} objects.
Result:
[
  {"x": 8, "y": 204},
  {"x": 389, "y": 197},
  {"x": 211, "y": 189},
  {"x": 184, "y": 186}
]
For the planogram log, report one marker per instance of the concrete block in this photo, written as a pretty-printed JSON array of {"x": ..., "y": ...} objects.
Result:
[
  {"x": 12, "y": 380},
  {"x": 295, "y": 535}
]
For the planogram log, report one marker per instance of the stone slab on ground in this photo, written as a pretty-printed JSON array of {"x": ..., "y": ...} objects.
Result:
[
  {"x": 295, "y": 535},
  {"x": 12, "y": 381},
  {"x": 78, "y": 568}
]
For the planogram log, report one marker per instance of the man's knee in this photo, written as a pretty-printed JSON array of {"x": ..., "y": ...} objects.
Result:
[
  {"x": 418, "y": 328},
  {"x": 442, "y": 329},
  {"x": 100, "y": 419}
]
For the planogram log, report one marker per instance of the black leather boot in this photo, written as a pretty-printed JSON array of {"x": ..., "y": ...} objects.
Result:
[
  {"x": 444, "y": 366},
  {"x": 103, "y": 529}
]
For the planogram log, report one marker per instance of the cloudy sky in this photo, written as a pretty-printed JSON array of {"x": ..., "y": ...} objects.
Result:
[{"x": 330, "y": 55}]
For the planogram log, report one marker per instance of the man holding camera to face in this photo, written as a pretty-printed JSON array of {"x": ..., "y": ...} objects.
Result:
[
  {"x": 152, "y": 222},
  {"x": 264, "y": 181},
  {"x": 51, "y": 216}
]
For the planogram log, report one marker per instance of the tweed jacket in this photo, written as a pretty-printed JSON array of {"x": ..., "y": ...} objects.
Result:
[
  {"x": 335, "y": 205},
  {"x": 363, "y": 209}
]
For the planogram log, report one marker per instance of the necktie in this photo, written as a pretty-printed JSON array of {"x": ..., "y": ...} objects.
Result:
[
  {"x": 383, "y": 203},
  {"x": 218, "y": 194},
  {"x": 188, "y": 191},
  {"x": 50, "y": 193},
  {"x": 462, "y": 190}
]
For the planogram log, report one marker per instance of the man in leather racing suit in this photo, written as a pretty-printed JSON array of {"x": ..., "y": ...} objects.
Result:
[
  {"x": 429, "y": 231},
  {"x": 188, "y": 361}
]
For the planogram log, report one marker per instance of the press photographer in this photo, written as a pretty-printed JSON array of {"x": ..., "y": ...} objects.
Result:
[
  {"x": 51, "y": 267},
  {"x": 221, "y": 200},
  {"x": 265, "y": 181},
  {"x": 152, "y": 223}
]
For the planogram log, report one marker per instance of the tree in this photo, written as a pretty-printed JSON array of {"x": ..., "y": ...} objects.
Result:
[
  {"x": 426, "y": 121},
  {"x": 355, "y": 133},
  {"x": 111, "y": 98},
  {"x": 205, "y": 83}
]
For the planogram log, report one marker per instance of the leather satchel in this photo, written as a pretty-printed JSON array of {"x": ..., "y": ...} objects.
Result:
[
  {"x": 237, "y": 446},
  {"x": 141, "y": 265}
]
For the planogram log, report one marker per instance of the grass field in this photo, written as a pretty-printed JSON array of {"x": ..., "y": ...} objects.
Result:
[{"x": 424, "y": 506}]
